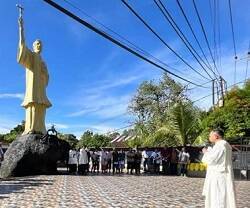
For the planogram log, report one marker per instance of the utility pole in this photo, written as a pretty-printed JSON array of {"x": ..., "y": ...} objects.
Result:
[
  {"x": 213, "y": 85},
  {"x": 222, "y": 92}
]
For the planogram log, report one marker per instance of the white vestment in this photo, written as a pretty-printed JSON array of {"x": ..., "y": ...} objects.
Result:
[
  {"x": 219, "y": 186},
  {"x": 83, "y": 159},
  {"x": 72, "y": 157}
]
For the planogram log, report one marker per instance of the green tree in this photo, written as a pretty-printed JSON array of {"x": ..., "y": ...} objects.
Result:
[
  {"x": 153, "y": 99},
  {"x": 89, "y": 139},
  {"x": 233, "y": 117},
  {"x": 70, "y": 138},
  {"x": 16, "y": 131},
  {"x": 163, "y": 112}
]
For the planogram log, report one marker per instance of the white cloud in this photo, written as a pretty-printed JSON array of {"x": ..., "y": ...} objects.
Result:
[
  {"x": 12, "y": 95},
  {"x": 112, "y": 83},
  {"x": 103, "y": 107},
  {"x": 6, "y": 124}
]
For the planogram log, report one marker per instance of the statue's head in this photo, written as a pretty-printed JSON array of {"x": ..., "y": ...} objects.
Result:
[{"x": 37, "y": 46}]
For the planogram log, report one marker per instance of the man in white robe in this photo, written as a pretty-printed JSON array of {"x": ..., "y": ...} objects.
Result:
[{"x": 219, "y": 186}]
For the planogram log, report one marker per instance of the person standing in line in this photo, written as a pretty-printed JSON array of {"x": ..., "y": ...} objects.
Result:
[
  {"x": 145, "y": 157},
  {"x": 173, "y": 161},
  {"x": 138, "y": 157},
  {"x": 218, "y": 188},
  {"x": 72, "y": 162},
  {"x": 95, "y": 162},
  {"x": 165, "y": 160},
  {"x": 83, "y": 161},
  {"x": 115, "y": 161},
  {"x": 88, "y": 164},
  {"x": 183, "y": 161},
  {"x": 130, "y": 161},
  {"x": 104, "y": 161},
  {"x": 109, "y": 158},
  {"x": 121, "y": 159}
]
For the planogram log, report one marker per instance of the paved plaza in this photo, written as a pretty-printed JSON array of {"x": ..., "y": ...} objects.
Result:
[{"x": 63, "y": 191}]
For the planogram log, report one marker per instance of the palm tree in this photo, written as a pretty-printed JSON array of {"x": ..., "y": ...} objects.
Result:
[{"x": 184, "y": 122}]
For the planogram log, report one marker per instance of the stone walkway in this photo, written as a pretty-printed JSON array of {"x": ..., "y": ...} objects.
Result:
[{"x": 109, "y": 191}]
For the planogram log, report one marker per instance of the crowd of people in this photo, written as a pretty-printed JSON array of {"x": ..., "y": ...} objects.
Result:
[{"x": 131, "y": 161}]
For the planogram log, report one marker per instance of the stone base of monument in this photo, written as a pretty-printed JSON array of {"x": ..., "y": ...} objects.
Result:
[{"x": 33, "y": 154}]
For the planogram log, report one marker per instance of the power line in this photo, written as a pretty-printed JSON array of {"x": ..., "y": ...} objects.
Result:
[
  {"x": 219, "y": 32},
  {"x": 232, "y": 27},
  {"x": 214, "y": 31},
  {"x": 192, "y": 30},
  {"x": 115, "y": 130},
  {"x": 151, "y": 29},
  {"x": 218, "y": 91},
  {"x": 192, "y": 102},
  {"x": 202, "y": 84},
  {"x": 135, "y": 47},
  {"x": 107, "y": 36},
  {"x": 204, "y": 33},
  {"x": 181, "y": 35}
]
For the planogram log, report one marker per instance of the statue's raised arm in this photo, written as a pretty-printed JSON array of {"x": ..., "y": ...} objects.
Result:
[
  {"x": 23, "y": 54},
  {"x": 21, "y": 32}
]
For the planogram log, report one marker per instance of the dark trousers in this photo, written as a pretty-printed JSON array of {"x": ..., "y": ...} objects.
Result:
[
  {"x": 156, "y": 167},
  {"x": 183, "y": 168},
  {"x": 173, "y": 168},
  {"x": 72, "y": 168},
  {"x": 165, "y": 166},
  {"x": 109, "y": 164},
  {"x": 82, "y": 169},
  {"x": 138, "y": 167},
  {"x": 145, "y": 164}
]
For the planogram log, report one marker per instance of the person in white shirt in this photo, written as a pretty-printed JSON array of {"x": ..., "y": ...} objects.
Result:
[
  {"x": 145, "y": 157},
  {"x": 83, "y": 161},
  {"x": 104, "y": 161},
  {"x": 72, "y": 162},
  {"x": 156, "y": 156},
  {"x": 183, "y": 161},
  {"x": 219, "y": 186}
]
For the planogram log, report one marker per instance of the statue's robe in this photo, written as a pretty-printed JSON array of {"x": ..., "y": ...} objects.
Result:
[
  {"x": 35, "y": 100},
  {"x": 219, "y": 186}
]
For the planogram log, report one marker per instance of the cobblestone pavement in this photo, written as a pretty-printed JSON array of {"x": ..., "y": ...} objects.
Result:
[{"x": 109, "y": 191}]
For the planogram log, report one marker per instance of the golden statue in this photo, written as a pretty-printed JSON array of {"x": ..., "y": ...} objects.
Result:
[{"x": 37, "y": 77}]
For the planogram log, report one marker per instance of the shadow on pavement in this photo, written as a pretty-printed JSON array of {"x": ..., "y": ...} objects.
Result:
[{"x": 18, "y": 185}]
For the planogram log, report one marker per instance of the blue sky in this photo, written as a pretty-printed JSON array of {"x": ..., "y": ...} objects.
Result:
[{"x": 92, "y": 80}]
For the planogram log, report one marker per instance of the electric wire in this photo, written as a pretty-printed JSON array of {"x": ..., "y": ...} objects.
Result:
[
  {"x": 241, "y": 82},
  {"x": 107, "y": 36},
  {"x": 201, "y": 98},
  {"x": 192, "y": 31},
  {"x": 232, "y": 27},
  {"x": 164, "y": 42},
  {"x": 135, "y": 47},
  {"x": 234, "y": 45},
  {"x": 219, "y": 33},
  {"x": 205, "y": 35},
  {"x": 181, "y": 35}
]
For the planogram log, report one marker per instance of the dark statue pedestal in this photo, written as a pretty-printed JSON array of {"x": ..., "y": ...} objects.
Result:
[{"x": 33, "y": 154}]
